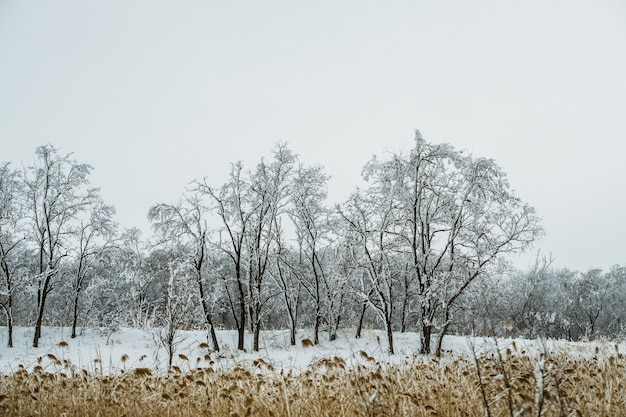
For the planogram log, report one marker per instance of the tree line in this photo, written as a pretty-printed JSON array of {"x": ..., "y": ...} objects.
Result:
[{"x": 421, "y": 247}]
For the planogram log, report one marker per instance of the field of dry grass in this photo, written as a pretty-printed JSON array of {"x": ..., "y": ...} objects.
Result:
[{"x": 508, "y": 384}]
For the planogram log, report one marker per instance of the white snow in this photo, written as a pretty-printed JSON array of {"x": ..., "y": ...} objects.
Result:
[{"x": 99, "y": 351}]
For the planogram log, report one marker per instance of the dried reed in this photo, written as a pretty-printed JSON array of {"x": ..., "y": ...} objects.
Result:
[{"x": 509, "y": 384}]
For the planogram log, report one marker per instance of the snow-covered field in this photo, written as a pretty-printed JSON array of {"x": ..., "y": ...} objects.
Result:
[{"x": 97, "y": 351}]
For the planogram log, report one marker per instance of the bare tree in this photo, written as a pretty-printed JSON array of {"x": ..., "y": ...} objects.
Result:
[
  {"x": 176, "y": 308},
  {"x": 270, "y": 185},
  {"x": 11, "y": 238},
  {"x": 286, "y": 274},
  {"x": 95, "y": 236},
  {"x": 185, "y": 224},
  {"x": 137, "y": 278},
  {"x": 456, "y": 215},
  {"x": 312, "y": 221},
  {"x": 370, "y": 219},
  {"x": 57, "y": 191},
  {"x": 590, "y": 293},
  {"x": 231, "y": 202}
]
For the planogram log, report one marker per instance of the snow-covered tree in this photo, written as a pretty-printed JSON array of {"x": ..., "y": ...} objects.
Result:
[
  {"x": 57, "y": 191},
  {"x": 454, "y": 215},
  {"x": 313, "y": 223},
  {"x": 231, "y": 203},
  {"x": 95, "y": 235},
  {"x": 369, "y": 218},
  {"x": 185, "y": 224},
  {"x": 11, "y": 239},
  {"x": 270, "y": 184}
]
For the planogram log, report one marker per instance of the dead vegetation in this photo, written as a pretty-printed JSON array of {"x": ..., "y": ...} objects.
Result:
[{"x": 507, "y": 383}]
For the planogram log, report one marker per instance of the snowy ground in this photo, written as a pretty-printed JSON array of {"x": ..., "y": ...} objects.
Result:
[{"x": 97, "y": 351}]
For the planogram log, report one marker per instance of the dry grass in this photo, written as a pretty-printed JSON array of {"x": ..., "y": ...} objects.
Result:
[{"x": 513, "y": 384}]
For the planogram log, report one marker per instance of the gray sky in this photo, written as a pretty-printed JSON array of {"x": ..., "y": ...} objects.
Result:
[{"x": 154, "y": 94}]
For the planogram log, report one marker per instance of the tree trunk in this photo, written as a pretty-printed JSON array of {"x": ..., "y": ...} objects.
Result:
[
  {"x": 316, "y": 329},
  {"x": 360, "y": 325},
  {"x": 75, "y": 315},
  {"x": 292, "y": 322},
  {"x": 440, "y": 336},
  {"x": 426, "y": 337},
  {"x": 10, "y": 330},
  {"x": 257, "y": 332},
  {"x": 241, "y": 330},
  {"x": 332, "y": 327},
  {"x": 389, "y": 335},
  {"x": 170, "y": 349},
  {"x": 208, "y": 318},
  {"x": 212, "y": 335},
  {"x": 405, "y": 307},
  {"x": 334, "y": 318},
  {"x": 443, "y": 331},
  {"x": 292, "y": 335},
  {"x": 40, "y": 310},
  {"x": 38, "y": 327},
  {"x": 251, "y": 314},
  {"x": 8, "y": 307}
]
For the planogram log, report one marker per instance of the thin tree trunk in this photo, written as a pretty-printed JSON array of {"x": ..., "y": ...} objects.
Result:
[
  {"x": 316, "y": 329},
  {"x": 361, "y": 318},
  {"x": 75, "y": 315},
  {"x": 257, "y": 332},
  {"x": 292, "y": 321},
  {"x": 38, "y": 326},
  {"x": 405, "y": 307},
  {"x": 208, "y": 318},
  {"x": 10, "y": 331},
  {"x": 293, "y": 325},
  {"x": 334, "y": 318},
  {"x": 426, "y": 338},
  {"x": 292, "y": 335},
  {"x": 40, "y": 310},
  {"x": 332, "y": 335},
  {"x": 443, "y": 331},
  {"x": 241, "y": 330},
  {"x": 389, "y": 335},
  {"x": 8, "y": 307},
  {"x": 440, "y": 336}
]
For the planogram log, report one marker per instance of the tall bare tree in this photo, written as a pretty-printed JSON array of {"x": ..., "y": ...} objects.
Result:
[
  {"x": 312, "y": 222},
  {"x": 457, "y": 215},
  {"x": 11, "y": 238},
  {"x": 95, "y": 236},
  {"x": 58, "y": 191},
  {"x": 370, "y": 220},
  {"x": 231, "y": 203},
  {"x": 186, "y": 225},
  {"x": 270, "y": 185}
]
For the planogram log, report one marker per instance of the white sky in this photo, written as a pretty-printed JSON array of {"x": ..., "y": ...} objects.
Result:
[{"x": 154, "y": 94}]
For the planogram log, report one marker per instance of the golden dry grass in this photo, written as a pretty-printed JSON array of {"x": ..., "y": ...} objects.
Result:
[{"x": 514, "y": 384}]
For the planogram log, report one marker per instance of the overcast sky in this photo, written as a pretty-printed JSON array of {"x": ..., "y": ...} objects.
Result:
[{"x": 154, "y": 94}]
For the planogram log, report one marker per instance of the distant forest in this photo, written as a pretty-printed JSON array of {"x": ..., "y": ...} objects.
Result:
[{"x": 422, "y": 247}]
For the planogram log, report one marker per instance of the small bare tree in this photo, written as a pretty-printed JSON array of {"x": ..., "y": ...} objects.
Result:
[{"x": 176, "y": 308}]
